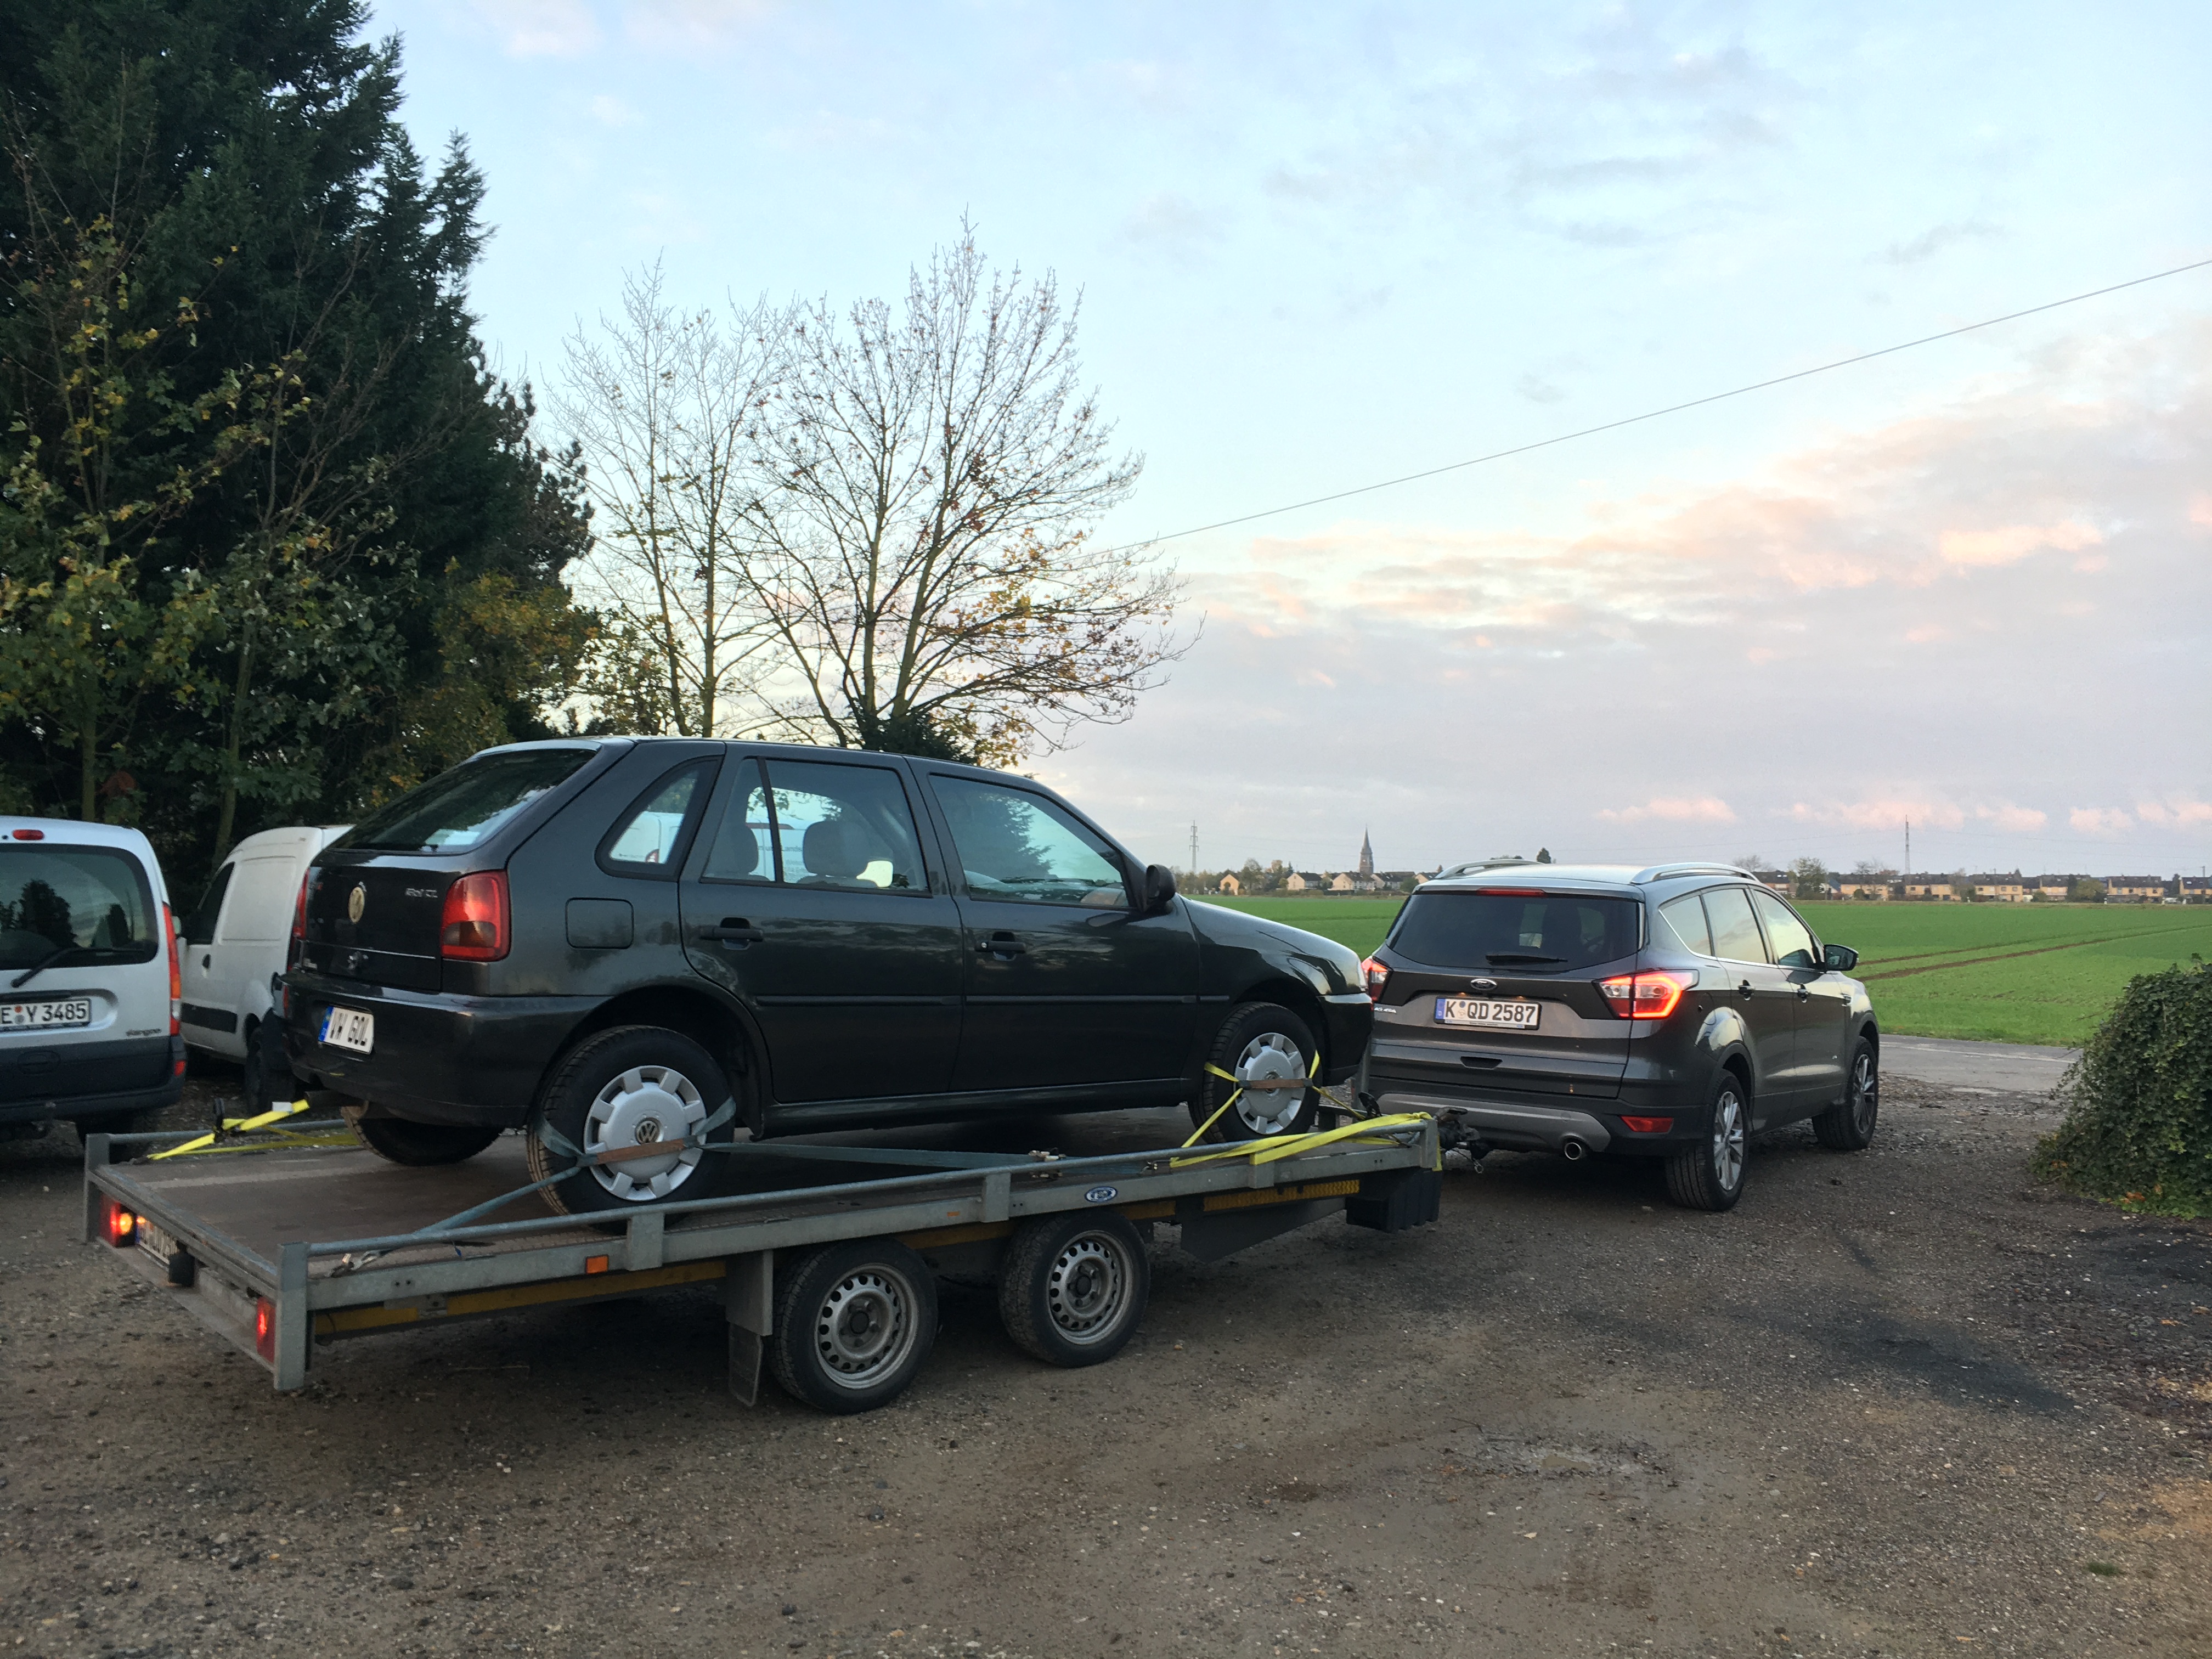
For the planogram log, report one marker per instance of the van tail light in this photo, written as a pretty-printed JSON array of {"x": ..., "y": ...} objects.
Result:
[
  {"x": 1652, "y": 994},
  {"x": 475, "y": 927},
  {"x": 176, "y": 971},
  {"x": 298, "y": 947},
  {"x": 121, "y": 1227},
  {"x": 1378, "y": 975},
  {"x": 265, "y": 1329}
]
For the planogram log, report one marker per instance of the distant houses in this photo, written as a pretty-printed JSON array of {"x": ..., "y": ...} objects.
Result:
[{"x": 2012, "y": 887}]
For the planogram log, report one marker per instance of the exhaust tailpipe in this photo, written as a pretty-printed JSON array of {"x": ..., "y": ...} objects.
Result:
[{"x": 1573, "y": 1150}]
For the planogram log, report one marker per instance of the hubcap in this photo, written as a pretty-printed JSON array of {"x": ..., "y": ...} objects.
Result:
[
  {"x": 1268, "y": 1058},
  {"x": 1864, "y": 1098},
  {"x": 1727, "y": 1140},
  {"x": 644, "y": 1106},
  {"x": 864, "y": 1328},
  {"x": 1088, "y": 1288}
]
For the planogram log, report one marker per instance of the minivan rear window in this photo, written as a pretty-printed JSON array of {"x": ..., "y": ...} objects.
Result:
[
  {"x": 457, "y": 810},
  {"x": 94, "y": 902},
  {"x": 1520, "y": 932}
]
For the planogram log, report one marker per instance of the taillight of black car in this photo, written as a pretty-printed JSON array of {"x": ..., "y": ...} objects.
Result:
[{"x": 476, "y": 926}]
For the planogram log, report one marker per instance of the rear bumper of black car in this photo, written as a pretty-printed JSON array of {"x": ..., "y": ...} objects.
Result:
[
  {"x": 40, "y": 1081},
  {"x": 437, "y": 1058}
]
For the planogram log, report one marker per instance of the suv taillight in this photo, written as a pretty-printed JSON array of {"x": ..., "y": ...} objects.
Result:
[
  {"x": 1378, "y": 975},
  {"x": 474, "y": 927},
  {"x": 1652, "y": 994}
]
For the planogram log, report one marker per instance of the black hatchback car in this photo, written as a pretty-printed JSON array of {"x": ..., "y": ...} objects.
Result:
[
  {"x": 641, "y": 946},
  {"x": 1665, "y": 1012}
]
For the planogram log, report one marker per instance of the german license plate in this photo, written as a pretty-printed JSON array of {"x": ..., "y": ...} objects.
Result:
[
  {"x": 1497, "y": 1015},
  {"x": 47, "y": 1015},
  {"x": 350, "y": 1028}
]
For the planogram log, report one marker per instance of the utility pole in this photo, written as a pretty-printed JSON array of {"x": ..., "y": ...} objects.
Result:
[
  {"x": 1908, "y": 847},
  {"x": 1194, "y": 847}
]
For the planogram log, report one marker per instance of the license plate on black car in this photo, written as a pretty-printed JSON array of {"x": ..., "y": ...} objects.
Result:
[
  {"x": 1483, "y": 1011},
  {"x": 350, "y": 1028}
]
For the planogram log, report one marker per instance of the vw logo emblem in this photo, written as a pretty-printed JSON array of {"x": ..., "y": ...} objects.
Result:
[
  {"x": 356, "y": 902},
  {"x": 648, "y": 1131}
]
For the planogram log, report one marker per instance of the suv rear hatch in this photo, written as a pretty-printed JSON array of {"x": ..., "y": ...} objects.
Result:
[
  {"x": 1525, "y": 963},
  {"x": 376, "y": 896}
]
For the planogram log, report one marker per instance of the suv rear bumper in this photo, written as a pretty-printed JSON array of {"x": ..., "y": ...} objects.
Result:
[
  {"x": 1526, "y": 1125},
  {"x": 437, "y": 1058},
  {"x": 92, "y": 1080}
]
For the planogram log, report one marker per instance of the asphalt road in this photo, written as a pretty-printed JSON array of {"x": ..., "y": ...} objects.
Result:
[
  {"x": 1898, "y": 1403},
  {"x": 1993, "y": 1068}
]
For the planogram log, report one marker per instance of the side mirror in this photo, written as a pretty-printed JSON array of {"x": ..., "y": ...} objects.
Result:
[
  {"x": 1840, "y": 959},
  {"x": 1160, "y": 888}
]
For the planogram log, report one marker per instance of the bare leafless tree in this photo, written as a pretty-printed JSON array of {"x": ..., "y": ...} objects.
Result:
[
  {"x": 921, "y": 554},
  {"x": 668, "y": 408}
]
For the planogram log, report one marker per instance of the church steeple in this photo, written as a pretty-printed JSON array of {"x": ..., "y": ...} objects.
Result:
[{"x": 1366, "y": 855}]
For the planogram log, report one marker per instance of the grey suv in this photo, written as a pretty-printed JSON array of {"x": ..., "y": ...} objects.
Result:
[{"x": 1664, "y": 1012}]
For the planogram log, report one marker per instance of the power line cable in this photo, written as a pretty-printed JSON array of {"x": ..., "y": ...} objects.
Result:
[{"x": 1654, "y": 414}]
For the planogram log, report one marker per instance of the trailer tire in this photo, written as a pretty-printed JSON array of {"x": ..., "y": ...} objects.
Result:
[
  {"x": 418, "y": 1146},
  {"x": 615, "y": 1085},
  {"x": 1073, "y": 1287},
  {"x": 1258, "y": 1040},
  {"x": 854, "y": 1322}
]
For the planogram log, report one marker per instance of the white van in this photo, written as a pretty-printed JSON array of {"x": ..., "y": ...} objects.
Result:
[
  {"x": 235, "y": 939},
  {"x": 88, "y": 976}
]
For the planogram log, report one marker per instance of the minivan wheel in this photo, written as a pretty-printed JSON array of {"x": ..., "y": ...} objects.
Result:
[
  {"x": 1848, "y": 1125},
  {"x": 635, "y": 1085},
  {"x": 415, "y": 1144},
  {"x": 1259, "y": 1042},
  {"x": 1708, "y": 1175}
]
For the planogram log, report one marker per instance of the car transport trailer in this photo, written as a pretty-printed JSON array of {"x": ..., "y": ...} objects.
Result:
[{"x": 827, "y": 1258}]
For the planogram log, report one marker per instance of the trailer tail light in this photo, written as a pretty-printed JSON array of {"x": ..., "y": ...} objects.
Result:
[
  {"x": 298, "y": 947},
  {"x": 1652, "y": 994},
  {"x": 475, "y": 927},
  {"x": 265, "y": 1329},
  {"x": 1378, "y": 975},
  {"x": 1648, "y": 1125},
  {"x": 176, "y": 971},
  {"x": 120, "y": 1227}
]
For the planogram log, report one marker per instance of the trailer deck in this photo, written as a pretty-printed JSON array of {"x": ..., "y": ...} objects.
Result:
[{"x": 283, "y": 1251}]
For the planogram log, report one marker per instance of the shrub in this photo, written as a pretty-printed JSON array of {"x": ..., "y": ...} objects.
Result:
[{"x": 2138, "y": 1127}]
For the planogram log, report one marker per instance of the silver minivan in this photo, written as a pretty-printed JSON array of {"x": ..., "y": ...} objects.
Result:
[{"x": 89, "y": 981}]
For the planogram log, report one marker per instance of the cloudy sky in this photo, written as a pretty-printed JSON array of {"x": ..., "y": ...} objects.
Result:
[{"x": 1966, "y": 585}]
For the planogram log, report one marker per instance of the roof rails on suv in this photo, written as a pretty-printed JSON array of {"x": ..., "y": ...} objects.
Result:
[{"x": 1662, "y": 871}]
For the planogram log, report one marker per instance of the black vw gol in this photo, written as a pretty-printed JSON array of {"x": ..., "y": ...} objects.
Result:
[
  {"x": 646, "y": 946},
  {"x": 1666, "y": 1013}
]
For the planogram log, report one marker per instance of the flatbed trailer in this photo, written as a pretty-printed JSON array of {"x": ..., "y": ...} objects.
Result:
[{"x": 827, "y": 1256}]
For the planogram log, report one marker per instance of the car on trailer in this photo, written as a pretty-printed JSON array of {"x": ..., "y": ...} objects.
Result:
[{"x": 647, "y": 945}]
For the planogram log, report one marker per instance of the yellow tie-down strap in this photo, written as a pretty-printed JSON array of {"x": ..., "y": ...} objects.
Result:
[
  {"x": 274, "y": 1137},
  {"x": 1362, "y": 1132}
]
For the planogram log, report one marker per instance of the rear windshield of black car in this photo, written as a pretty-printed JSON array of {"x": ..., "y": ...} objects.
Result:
[
  {"x": 1517, "y": 932},
  {"x": 74, "y": 905},
  {"x": 457, "y": 810}
]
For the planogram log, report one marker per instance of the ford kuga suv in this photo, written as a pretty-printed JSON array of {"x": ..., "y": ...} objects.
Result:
[{"x": 1669, "y": 1013}]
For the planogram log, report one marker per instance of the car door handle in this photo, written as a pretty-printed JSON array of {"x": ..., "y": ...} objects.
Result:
[
  {"x": 1000, "y": 944},
  {"x": 1744, "y": 989},
  {"x": 1804, "y": 995},
  {"x": 733, "y": 930},
  {"x": 207, "y": 962}
]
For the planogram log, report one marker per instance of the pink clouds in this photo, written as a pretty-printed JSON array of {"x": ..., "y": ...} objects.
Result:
[
  {"x": 2179, "y": 814},
  {"x": 1704, "y": 809},
  {"x": 2013, "y": 543},
  {"x": 2099, "y": 820}
]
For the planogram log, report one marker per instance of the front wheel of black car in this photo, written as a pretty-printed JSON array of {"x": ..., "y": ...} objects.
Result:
[
  {"x": 1708, "y": 1174},
  {"x": 415, "y": 1144},
  {"x": 1268, "y": 1052},
  {"x": 620, "y": 1091},
  {"x": 1848, "y": 1125}
]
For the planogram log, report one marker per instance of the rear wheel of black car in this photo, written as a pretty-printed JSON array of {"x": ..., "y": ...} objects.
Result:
[
  {"x": 621, "y": 1090},
  {"x": 1708, "y": 1175},
  {"x": 415, "y": 1144},
  {"x": 1260, "y": 1043},
  {"x": 853, "y": 1323},
  {"x": 1848, "y": 1125}
]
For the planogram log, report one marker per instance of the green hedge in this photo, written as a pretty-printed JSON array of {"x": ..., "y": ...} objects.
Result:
[{"x": 2138, "y": 1127}]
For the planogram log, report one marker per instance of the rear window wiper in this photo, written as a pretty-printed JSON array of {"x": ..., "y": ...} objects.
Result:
[
  {"x": 39, "y": 967},
  {"x": 1496, "y": 958}
]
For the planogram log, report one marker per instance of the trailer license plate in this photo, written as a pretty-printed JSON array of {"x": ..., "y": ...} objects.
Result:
[
  {"x": 1476, "y": 1011},
  {"x": 46, "y": 1016},
  {"x": 350, "y": 1028}
]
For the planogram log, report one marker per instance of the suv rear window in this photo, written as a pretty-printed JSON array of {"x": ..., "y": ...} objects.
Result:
[
  {"x": 457, "y": 809},
  {"x": 1542, "y": 934},
  {"x": 94, "y": 901}
]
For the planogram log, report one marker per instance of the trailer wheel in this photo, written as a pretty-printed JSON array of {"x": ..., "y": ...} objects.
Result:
[
  {"x": 854, "y": 1322},
  {"x": 417, "y": 1145},
  {"x": 1074, "y": 1287}
]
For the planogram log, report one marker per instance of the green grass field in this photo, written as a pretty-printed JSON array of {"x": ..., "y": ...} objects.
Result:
[{"x": 2008, "y": 973}]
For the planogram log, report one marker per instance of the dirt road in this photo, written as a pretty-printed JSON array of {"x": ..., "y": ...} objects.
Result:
[{"x": 1898, "y": 1403}]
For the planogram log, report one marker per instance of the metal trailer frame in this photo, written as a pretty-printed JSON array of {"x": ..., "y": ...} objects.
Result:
[{"x": 959, "y": 1215}]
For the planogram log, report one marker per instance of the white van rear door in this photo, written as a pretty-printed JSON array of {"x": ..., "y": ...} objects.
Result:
[
  {"x": 91, "y": 913},
  {"x": 250, "y": 940}
]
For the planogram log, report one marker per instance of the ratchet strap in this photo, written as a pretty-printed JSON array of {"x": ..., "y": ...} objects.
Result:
[
  {"x": 1345, "y": 1097},
  {"x": 273, "y": 1137},
  {"x": 1369, "y": 1130}
]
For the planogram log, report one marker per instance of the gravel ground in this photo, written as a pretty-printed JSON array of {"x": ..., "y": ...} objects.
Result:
[{"x": 1902, "y": 1402}]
